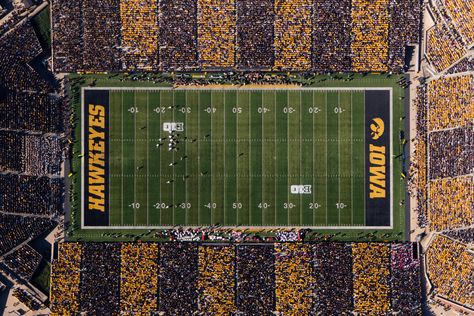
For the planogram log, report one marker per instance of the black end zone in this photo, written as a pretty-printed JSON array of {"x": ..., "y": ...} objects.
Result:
[
  {"x": 96, "y": 154},
  {"x": 377, "y": 155}
]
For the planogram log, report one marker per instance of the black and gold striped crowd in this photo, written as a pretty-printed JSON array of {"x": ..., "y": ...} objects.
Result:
[
  {"x": 268, "y": 35},
  {"x": 240, "y": 279}
]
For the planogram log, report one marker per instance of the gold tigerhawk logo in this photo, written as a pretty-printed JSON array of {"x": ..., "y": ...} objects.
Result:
[{"x": 377, "y": 128}]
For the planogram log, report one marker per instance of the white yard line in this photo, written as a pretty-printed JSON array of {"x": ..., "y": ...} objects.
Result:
[
  {"x": 287, "y": 159},
  {"x": 174, "y": 173},
  {"x": 211, "y": 173},
  {"x": 326, "y": 132},
  {"x": 224, "y": 206},
  {"x": 301, "y": 158},
  {"x": 249, "y": 160},
  {"x": 199, "y": 152},
  {"x": 121, "y": 109},
  {"x": 134, "y": 160},
  {"x": 339, "y": 157},
  {"x": 261, "y": 158},
  {"x": 238, "y": 153},
  {"x": 275, "y": 160},
  {"x": 147, "y": 161},
  {"x": 352, "y": 178},
  {"x": 312, "y": 153},
  {"x": 186, "y": 210}
]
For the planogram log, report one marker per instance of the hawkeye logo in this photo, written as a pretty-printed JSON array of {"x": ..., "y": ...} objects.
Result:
[
  {"x": 377, "y": 176},
  {"x": 96, "y": 157},
  {"x": 377, "y": 128}
]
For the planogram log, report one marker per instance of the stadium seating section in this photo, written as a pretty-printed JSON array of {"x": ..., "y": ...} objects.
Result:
[{"x": 290, "y": 278}]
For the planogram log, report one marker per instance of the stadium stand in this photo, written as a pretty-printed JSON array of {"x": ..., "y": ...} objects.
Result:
[
  {"x": 293, "y": 28},
  {"x": 177, "y": 34},
  {"x": 460, "y": 14},
  {"x": 255, "y": 279},
  {"x": 296, "y": 35},
  {"x": 216, "y": 282},
  {"x": 178, "y": 293},
  {"x": 294, "y": 283},
  {"x": 30, "y": 194},
  {"x": 100, "y": 278},
  {"x": 23, "y": 261},
  {"x": 138, "y": 278},
  {"x": 216, "y": 33},
  {"x": 451, "y": 270},
  {"x": 442, "y": 48},
  {"x": 139, "y": 26},
  {"x": 450, "y": 102},
  {"x": 451, "y": 152},
  {"x": 17, "y": 229},
  {"x": 233, "y": 279},
  {"x": 370, "y": 35},
  {"x": 255, "y": 20},
  {"x": 66, "y": 273},
  {"x": 451, "y": 204},
  {"x": 464, "y": 65},
  {"x": 332, "y": 35},
  {"x": 371, "y": 270}
]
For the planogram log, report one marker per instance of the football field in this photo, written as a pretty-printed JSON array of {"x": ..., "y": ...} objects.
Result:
[{"x": 238, "y": 157}]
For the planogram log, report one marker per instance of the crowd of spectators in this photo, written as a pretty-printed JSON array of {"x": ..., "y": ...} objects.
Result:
[
  {"x": 332, "y": 35},
  {"x": 371, "y": 278},
  {"x": 294, "y": 279},
  {"x": 451, "y": 152},
  {"x": 177, "y": 36},
  {"x": 23, "y": 261},
  {"x": 178, "y": 275},
  {"x": 459, "y": 14},
  {"x": 17, "y": 229},
  {"x": 31, "y": 111},
  {"x": 405, "y": 280},
  {"x": 463, "y": 235},
  {"x": 451, "y": 204},
  {"x": 183, "y": 278},
  {"x": 139, "y": 29},
  {"x": 27, "y": 299},
  {"x": 333, "y": 286},
  {"x": 29, "y": 194},
  {"x": 293, "y": 35},
  {"x": 216, "y": 22},
  {"x": 293, "y": 29},
  {"x": 216, "y": 281},
  {"x": 100, "y": 279},
  {"x": 255, "y": 279},
  {"x": 370, "y": 35},
  {"x": 138, "y": 278},
  {"x": 451, "y": 270},
  {"x": 443, "y": 49},
  {"x": 464, "y": 65},
  {"x": 255, "y": 34},
  {"x": 450, "y": 102},
  {"x": 66, "y": 277},
  {"x": 418, "y": 180},
  {"x": 17, "y": 49}
]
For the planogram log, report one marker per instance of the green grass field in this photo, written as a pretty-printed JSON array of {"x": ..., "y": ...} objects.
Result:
[
  {"x": 153, "y": 216},
  {"x": 243, "y": 149}
]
